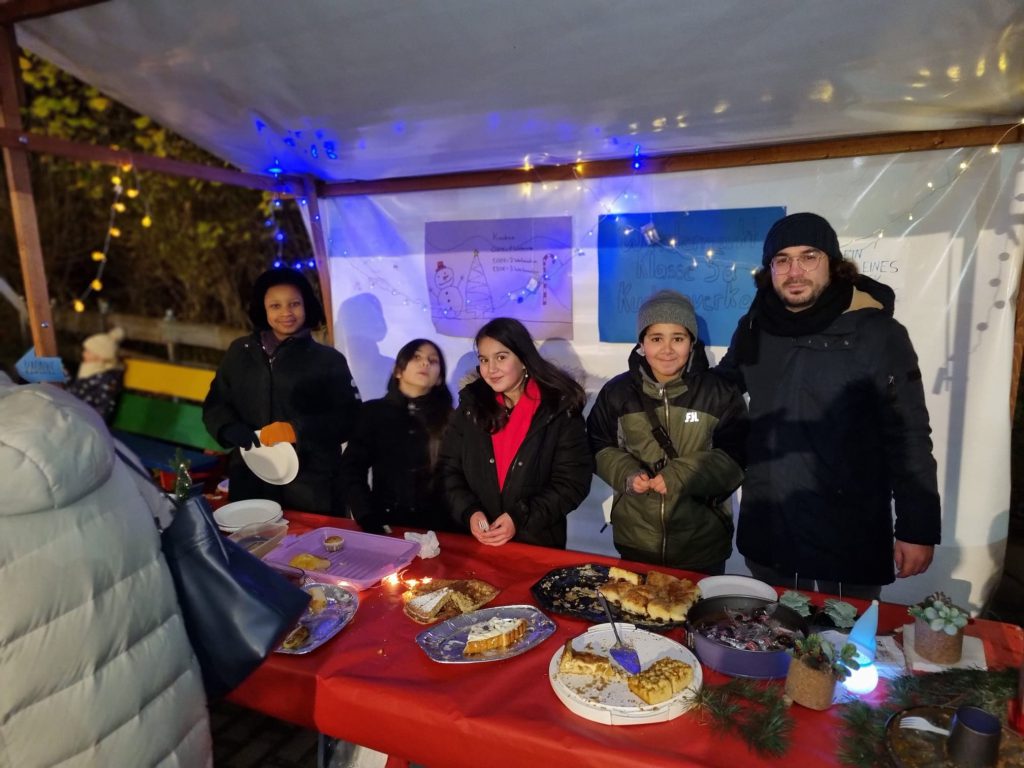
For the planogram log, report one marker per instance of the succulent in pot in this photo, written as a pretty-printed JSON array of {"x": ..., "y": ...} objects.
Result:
[
  {"x": 938, "y": 629},
  {"x": 817, "y": 667}
]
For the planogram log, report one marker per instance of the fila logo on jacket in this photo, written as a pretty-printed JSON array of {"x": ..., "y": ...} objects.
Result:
[{"x": 691, "y": 418}]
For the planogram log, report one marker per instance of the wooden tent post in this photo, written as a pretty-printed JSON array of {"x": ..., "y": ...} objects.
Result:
[
  {"x": 1018, "y": 348},
  {"x": 23, "y": 204},
  {"x": 316, "y": 236}
]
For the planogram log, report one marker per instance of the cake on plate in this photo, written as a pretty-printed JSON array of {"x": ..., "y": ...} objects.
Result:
[
  {"x": 442, "y": 599},
  {"x": 661, "y": 681},
  {"x": 660, "y": 596},
  {"x": 494, "y": 634},
  {"x": 587, "y": 663}
]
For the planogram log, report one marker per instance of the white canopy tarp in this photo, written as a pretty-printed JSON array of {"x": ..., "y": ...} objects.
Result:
[{"x": 370, "y": 89}]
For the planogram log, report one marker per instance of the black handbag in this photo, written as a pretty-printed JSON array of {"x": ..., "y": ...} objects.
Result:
[{"x": 236, "y": 608}]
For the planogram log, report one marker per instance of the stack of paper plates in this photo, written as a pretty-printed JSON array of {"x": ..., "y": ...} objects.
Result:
[{"x": 239, "y": 514}]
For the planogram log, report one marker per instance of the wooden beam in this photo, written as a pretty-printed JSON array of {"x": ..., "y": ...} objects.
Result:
[
  {"x": 1018, "y": 350},
  {"x": 319, "y": 242},
  {"x": 154, "y": 330},
  {"x": 823, "y": 149},
  {"x": 88, "y": 153},
  {"x": 23, "y": 205},
  {"x": 13, "y": 11}
]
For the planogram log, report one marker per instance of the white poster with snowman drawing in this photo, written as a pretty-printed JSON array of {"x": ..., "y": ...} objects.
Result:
[{"x": 482, "y": 269}]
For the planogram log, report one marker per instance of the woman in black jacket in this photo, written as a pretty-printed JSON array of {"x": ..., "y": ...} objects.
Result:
[
  {"x": 515, "y": 460},
  {"x": 281, "y": 381},
  {"x": 398, "y": 437}
]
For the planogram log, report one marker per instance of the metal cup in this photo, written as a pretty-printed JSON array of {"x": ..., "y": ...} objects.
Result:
[{"x": 974, "y": 738}]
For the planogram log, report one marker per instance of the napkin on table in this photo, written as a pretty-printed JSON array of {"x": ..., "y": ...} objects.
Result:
[{"x": 429, "y": 545}]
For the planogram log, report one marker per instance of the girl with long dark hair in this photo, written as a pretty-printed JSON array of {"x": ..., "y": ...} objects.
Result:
[
  {"x": 398, "y": 438},
  {"x": 515, "y": 460}
]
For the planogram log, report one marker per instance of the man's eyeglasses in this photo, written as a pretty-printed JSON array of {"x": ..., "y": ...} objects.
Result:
[{"x": 808, "y": 262}]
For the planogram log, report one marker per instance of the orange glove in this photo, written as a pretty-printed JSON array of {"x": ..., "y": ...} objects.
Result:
[{"x": 278, "y": 432}]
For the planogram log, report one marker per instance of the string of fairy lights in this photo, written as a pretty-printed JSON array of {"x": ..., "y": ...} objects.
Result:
[
  {"x": 119, "y": 189},
  {"x": 648, "y": 234},
  {"x": 626, "y": 222}
]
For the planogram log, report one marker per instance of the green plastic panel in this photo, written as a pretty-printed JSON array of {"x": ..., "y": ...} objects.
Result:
[{"x": 167, "y": 420}]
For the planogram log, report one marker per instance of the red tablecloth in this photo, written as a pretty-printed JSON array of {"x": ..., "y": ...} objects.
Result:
[{"x": 374, "y": 686}]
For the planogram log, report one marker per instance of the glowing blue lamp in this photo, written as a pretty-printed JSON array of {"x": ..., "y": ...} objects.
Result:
[{"x": 865, "y": 679}]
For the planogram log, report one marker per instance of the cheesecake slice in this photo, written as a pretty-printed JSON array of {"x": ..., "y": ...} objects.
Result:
[
  {"x": 494, "y": 634},
  {"x": 425, "y": 607}
]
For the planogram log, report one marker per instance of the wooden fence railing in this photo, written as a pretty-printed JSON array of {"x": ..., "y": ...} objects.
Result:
[{"x": 167, "y": 330}]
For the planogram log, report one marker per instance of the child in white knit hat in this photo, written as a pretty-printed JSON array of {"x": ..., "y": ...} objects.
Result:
[{"x": 100, "y": 376}]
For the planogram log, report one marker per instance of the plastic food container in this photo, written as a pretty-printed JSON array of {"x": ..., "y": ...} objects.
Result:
[
  {"x": 260, "y": 538},
  {"x": 362, "y": 562}
]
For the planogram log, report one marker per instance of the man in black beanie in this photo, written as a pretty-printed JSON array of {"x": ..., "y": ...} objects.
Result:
[{"x": 839, "y": 427}]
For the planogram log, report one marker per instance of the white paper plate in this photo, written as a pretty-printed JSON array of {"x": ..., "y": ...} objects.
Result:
[
  {"x": 239, "y": 514},
  {"x": 713, "y": 586},
  {"x": 274, "y": 464},
  {"x": 613, "y": 703}
]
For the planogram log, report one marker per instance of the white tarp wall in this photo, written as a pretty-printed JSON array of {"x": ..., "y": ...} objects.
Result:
[{"x": 943, "y": 228}]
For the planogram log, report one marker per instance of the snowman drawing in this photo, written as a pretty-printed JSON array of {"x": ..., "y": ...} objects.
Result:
[{"x": 449, "y": 298}]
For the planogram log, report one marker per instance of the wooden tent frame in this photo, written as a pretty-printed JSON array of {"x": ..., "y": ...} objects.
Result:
[{"x": 17, "y": 144}]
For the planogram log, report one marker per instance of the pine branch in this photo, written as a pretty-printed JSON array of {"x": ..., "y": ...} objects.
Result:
[{"x": 757, "y": 714}]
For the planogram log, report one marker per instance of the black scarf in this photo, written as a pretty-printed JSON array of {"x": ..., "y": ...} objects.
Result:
[
  {"x": 768, "y": 313},
  {"x": 271, "y": 343}
]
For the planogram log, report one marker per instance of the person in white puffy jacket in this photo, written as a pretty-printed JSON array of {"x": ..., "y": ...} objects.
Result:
[{"x": 95, "y": 665}]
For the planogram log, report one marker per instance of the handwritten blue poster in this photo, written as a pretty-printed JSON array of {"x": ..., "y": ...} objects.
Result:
[{"x": 709, "y": 256}]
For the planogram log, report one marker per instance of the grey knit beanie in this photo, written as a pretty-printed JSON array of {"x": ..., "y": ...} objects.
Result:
[
  {"x": 666, "y": 307},
  {"x": 801, "y": 229}
]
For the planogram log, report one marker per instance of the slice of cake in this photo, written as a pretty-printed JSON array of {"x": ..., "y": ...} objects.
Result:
[
  {"x": 661, "y": 681},
  {"x": 594, "y": 665},
  {"x": 636, "y": 600},
  {"x": 494, "y": 634},
  {"x": 659, "y": 579},
  {"x": 309, "y": 562},
  {"x": 621, "y": 574},
  {"x": 425, "y": 607},
  {"x": 614, "y": 591}
]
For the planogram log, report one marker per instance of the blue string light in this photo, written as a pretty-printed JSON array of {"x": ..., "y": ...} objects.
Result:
[{"x": 636, "y": 157}]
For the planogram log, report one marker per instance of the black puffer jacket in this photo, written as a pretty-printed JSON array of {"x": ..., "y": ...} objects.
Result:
[
  {"x": 548, "y": 479},
  {"x": 307, "y": 384},
  {"x": 839, "y": 430},
  {"x": 706, "y": 419},
  {"x": 391, "y": 439}
]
